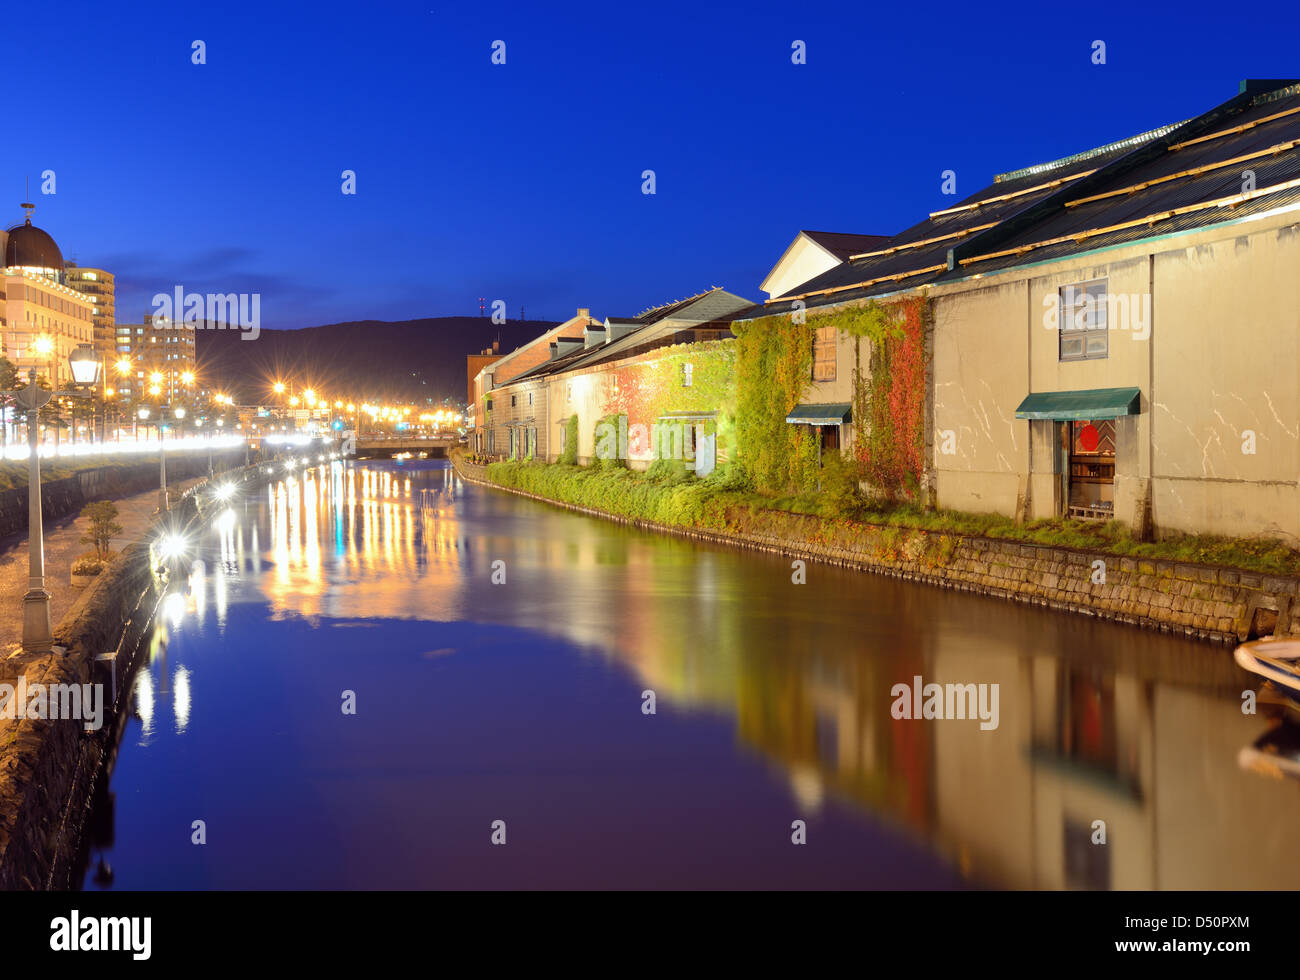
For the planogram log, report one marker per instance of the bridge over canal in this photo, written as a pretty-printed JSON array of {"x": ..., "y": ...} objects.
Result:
[{"x": 374, "y": 447}]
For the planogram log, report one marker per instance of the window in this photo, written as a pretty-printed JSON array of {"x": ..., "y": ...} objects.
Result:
[
  {"x": 530, "y": 398},
  {"x": 1083, "y": 321},
  {"x": 512, "y": 401},
  {"x": 824, "y": 354},
  {"x": 686, "y": 375}
]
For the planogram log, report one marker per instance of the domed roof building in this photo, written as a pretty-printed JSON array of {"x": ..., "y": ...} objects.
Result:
[
  {"x": 44, "y": 319},
  {"x": 31, "y": 248}
]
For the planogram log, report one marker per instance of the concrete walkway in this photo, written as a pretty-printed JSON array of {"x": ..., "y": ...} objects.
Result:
[{"x": 63, "y": 546}]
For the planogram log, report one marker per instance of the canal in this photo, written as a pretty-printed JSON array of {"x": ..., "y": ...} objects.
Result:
[{"x": 376, "y": 672}]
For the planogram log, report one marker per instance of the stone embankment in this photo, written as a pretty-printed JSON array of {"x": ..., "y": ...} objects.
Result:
[
  {"x": 1206, "y": 602},
  {"x": 48, "y": 767}
]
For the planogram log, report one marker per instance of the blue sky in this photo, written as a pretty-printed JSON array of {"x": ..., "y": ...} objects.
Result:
[{"x": 522, "y": 181}]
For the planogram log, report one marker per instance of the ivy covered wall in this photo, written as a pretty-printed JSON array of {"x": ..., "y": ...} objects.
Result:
[
  {"x": 889, "y": 397},
  {"x": 643, "y": 391},
  {"x": 753, "y": 382},
  {"x": 774, "y": 373},
  {"x": 773, "y": 368}
]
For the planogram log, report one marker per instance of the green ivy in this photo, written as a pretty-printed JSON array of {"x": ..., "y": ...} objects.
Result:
[
  {"x": 613, "y": 460},
  {"x": 570, "y": 454},
  {"x": 773, "y": 370},
  {"x": 646, "y": 390}
]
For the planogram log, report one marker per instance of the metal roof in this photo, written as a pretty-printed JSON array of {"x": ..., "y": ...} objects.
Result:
[
  {"x": 1175, "y": 178},
  {"x": 842, "y": 244}
]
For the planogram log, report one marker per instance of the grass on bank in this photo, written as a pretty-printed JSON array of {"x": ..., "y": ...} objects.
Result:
[
  {"x": 13, "y": 473},
  {"x": 669, "y": 494}
]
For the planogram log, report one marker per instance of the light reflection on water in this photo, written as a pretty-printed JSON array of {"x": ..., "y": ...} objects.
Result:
[{"x": 773, "y": 705}]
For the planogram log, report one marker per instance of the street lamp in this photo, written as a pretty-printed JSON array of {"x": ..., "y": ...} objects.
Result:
[
  {"x": 85, "y": 372},
  {"x": 84, "y": 365},
  {"x": 38, "y": 634},
  {"x": 162, "y": 461}
]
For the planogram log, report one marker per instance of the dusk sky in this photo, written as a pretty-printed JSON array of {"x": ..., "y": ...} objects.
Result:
[{"x": 522, "y": 181}]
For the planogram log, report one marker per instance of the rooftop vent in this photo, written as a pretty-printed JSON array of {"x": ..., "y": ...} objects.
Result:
[
  {"x": 616, "y": 329},
  {"x": 565, "y": 345}
]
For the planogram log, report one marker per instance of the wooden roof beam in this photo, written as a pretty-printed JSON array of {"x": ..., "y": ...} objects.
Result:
[
  {"x": 1273, "y": 150},
  {"x": 1051, "y": 184},
  {"x": 1231, "y": 201},
  {"x": 923, "y": 242}
]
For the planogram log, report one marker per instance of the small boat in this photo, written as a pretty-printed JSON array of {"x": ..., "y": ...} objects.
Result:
[
  {"x": 1276, "y": 753},
  {"x": 1276, "y": 661}
]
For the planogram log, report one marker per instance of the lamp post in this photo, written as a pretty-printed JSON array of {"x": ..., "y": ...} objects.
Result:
[
  {"x": 162, "y": 471},
  {"x": 84, "y": 366},
  {"x": 162, "y": 461},
  {"x": 38, "y": 634},
  {"x": 123, "y": 368}
]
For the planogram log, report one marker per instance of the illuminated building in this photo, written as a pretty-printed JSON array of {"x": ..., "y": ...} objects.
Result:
[
  {"x": 154, "y": 347},
  {"x": 97, "y": 285},
  {"x": 43, "y": 319}
]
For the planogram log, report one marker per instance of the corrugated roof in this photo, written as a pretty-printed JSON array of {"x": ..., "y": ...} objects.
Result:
[
  {"x": 842, "y": 245},
  {"x": 713, "y": 305},
  {"x": 1174, "y": 178}
]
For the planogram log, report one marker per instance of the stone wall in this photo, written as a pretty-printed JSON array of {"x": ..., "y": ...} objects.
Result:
[
  {"x": 1207, "y": 602},
  {"x": 68, "y": 495}
]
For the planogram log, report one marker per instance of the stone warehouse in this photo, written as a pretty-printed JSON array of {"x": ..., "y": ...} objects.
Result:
[
  {"x": 1112, "y": 335},
  {"x": 588, "y": 375}
]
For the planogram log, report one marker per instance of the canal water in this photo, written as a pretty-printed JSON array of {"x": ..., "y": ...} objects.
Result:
[{"x": 500, "y": 656}]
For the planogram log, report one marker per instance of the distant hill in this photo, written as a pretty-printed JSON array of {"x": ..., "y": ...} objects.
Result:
[{"x": 415, "y": 360}]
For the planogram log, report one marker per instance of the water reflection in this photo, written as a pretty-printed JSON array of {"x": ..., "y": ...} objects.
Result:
[{"x": 1100, "y": 725}]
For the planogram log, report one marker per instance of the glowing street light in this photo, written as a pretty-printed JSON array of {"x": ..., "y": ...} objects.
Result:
[
  {"x": 84, "y": 365},
  {"x": 38, "y": 635}
]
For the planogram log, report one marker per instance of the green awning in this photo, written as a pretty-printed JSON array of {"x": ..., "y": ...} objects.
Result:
[
  {"x": 833, "y": 414},
  {"x": 1096, "y": 403}
]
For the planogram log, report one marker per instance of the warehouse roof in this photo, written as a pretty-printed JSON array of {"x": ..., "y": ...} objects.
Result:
[{"x": 1180, "y": 176}]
